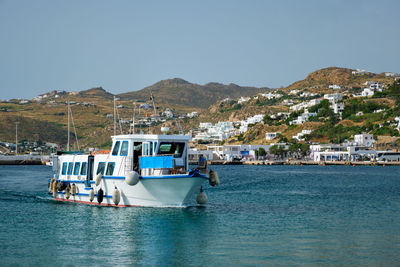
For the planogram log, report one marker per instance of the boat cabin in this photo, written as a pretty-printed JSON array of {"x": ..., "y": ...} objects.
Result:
[{"x": 149, "y": 155}]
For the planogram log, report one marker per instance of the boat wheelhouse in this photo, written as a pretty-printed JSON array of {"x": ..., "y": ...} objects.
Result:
[{"x": 140, "y": 170}]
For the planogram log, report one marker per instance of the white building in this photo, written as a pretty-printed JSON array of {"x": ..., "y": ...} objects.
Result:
[
  {"x": 333, "y": 97},
  {"x": 300, "y": 136},
  {"x": 271, "y": 136},
  {"x": 307, "y": 94},
  {"x": 337, "y": 107},
  {"x": 205, "y": 125},
  {"x": 294, "y": 92},
  {"x": 334, "y": 87},
  {"x": 398, "y": 124},
  {"x": 271, "y": 95},
  {"x": 192, "y": 114},
  {"x": 168, "y": 113},
  {"x": 367, "y": 92},
  {"x": 243, "y": 99},
  {"x": 303, "y": 118},
  {"x": 366, "y": 140}
]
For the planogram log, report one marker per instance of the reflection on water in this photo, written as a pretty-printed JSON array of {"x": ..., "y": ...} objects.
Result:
[{"x": 260, "y": 215}]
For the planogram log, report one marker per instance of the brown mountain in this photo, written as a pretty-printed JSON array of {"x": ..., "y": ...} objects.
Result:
[
  {"x": 180, "y": 92},
  {"x": 321, "y": 79}
]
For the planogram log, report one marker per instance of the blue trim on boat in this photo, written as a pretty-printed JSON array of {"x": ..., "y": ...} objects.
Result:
[
  {"x": 114, "y": 177},
  {"x": 173, "y": 177},
  {"x": 83, "y": 194},
  {"x": 88, "y": 188}
]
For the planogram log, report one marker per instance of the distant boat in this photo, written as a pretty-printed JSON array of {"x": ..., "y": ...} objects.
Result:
[
  {"x": 140, "y": 170},
  {"x": 49, "y": 163}
]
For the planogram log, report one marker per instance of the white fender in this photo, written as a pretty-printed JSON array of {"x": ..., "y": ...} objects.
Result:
[
  {"x": 214, "y": 179},
  {"x": 201, "y": 197},
  {"x": 73, "y": 189},
  {"x": 67, "y": 192},
  {"x": 54, "y": 189},
  {"x": 98, "y": 178},
  {"x": 132, "y": 178},
  {"x": 51, "y": 185},
  {"x": 91, "y": 195},
  {"x": 116, "y": 196}
]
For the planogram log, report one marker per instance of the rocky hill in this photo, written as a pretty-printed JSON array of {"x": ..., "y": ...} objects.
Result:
[
  {"x": 319, "y": 81},
  {"x": 180, "y": 92}
]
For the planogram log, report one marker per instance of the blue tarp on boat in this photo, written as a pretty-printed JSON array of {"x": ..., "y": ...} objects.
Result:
[{"x": 156, "y": 162}]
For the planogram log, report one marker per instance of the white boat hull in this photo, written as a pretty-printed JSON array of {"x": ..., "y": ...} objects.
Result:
[{"x": 174, "y": 191}]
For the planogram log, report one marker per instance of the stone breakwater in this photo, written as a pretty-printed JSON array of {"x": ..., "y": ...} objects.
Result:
[{"x": 23, "y": 160}]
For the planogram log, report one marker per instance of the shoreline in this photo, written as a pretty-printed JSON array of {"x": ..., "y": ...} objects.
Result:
[{"x": 301, "y": 163}]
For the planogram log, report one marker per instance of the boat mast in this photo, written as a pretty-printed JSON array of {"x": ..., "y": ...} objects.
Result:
[
  {"x": 115, "y": 119},
  {"x": 133, "y": 118},
  {"x": 16, "y": 138},
  {"x": 68, "y": 127}
]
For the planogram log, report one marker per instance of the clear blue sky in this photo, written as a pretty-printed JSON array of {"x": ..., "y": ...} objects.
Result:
[{"x": 128, "y": 45}]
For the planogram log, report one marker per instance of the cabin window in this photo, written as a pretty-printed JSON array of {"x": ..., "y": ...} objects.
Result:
[
  {"x": 124, "y": 148},
  {"x": 64, "y": 168},
  {"x": 116, "y": 148},
  {"x": 83, "y": 169},
  {"x": 171, "y": 148},
  {"x": 155, "y": 147},
  {"x": 77, "y": 168},
  {"x": 147, "y": 148},
  {"x": 101, "y": 167},
  {"x": 70, "y": 167},
  {"x": 110, "y": 168}
]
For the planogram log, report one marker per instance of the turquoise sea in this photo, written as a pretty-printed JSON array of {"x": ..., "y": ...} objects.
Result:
[{"x": 259, "y": 215}]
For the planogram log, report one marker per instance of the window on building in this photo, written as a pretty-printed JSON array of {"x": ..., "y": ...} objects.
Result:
[
  {"x": 110, "y": 168},
  {"x": 101, "y": 167},
  {"x": 116, "y": 148},
  {"x": 124, "y": 148},
  {"x": 77, "y": 167}
]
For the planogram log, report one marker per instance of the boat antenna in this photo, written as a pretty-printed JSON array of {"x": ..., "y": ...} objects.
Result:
[{"x": 68, "y": 126}]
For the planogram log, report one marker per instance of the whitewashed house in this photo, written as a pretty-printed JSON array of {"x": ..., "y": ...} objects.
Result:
[
  {"x": 271, "y": 136},
  {"x": 366, "y": 140},
  {"x": 334, "y": 87}
]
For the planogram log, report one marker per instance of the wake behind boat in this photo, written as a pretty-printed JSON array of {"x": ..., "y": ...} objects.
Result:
[{"x": 140, "y": 170}]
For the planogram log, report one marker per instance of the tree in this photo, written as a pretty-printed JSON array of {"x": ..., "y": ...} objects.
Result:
[
  {"x": 278, "y": 151},
  {"x": 262, "y": 152}
]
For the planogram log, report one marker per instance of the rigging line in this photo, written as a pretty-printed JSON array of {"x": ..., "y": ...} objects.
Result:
[
  {"x": 73, "y": 125},
  {"x": 133, "y": 119}
]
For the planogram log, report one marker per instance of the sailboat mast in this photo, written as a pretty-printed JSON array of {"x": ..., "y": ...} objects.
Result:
[
  {"x": 16, "y": 138},
  {"x": 68, "y": 127}
]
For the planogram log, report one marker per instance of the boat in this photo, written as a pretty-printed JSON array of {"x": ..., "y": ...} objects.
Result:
[{"x": 148, "y": 170}]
